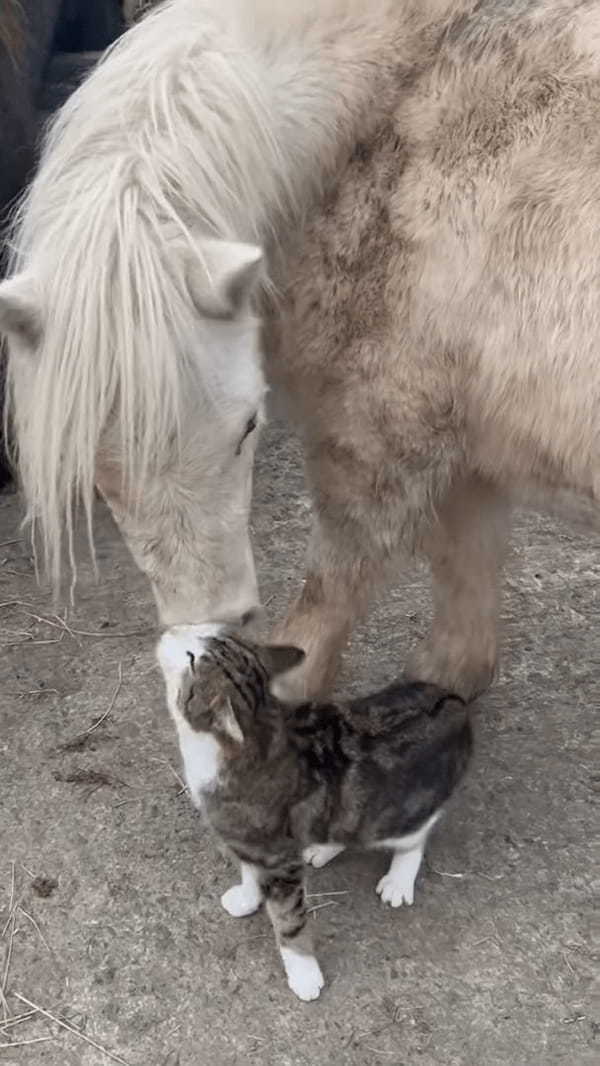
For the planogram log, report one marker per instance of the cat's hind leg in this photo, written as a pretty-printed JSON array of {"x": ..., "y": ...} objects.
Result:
[
  {"x": 286, "y": 906},
  {"x": 397, "y": 886},
  {"x": 318, "y": 855},
  {"x": 241, "y": 900}
]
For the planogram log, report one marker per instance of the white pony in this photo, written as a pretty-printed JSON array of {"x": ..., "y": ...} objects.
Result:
[
  {"x": 418, "y": 181},
  {"x": 134, "y": 354}
]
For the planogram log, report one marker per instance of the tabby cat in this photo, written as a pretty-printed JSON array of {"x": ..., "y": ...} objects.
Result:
[{"x": 283, "y": 787}]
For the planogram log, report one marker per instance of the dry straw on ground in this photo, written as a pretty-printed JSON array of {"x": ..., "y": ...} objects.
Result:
[{"x": 12, "y": 1022}]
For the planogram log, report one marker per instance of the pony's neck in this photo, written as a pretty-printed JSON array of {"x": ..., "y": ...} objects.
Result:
[{"x": 329, "y": 72}]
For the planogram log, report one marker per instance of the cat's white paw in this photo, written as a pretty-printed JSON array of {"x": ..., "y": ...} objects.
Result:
[
  {"x": 396, "y": 890},
  {"x": 318, "y": 855},
  {"x": 241, "y": 900},
  {"x": 303, "y": 973}
]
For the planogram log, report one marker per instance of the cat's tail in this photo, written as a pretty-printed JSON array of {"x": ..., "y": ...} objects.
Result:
[
  {"x": 450, "y": 734},
  {"x": 405, "y": 701}
]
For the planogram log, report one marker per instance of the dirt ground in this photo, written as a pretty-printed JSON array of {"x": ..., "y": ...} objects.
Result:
[{"x": 110, "y": 885}]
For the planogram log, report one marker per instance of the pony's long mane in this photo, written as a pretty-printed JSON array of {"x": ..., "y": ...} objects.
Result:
[{"x": 175, "y": 132}]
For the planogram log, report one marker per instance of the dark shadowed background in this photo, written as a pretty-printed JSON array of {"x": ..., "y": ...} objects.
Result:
[{"x": 45, "y": 47}]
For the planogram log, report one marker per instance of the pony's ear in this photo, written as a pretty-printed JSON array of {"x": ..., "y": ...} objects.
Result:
[
  {"x": 20, "y": 317},
  {"x": 223, "y": 278},
  {"x": 279, "y": 658}
]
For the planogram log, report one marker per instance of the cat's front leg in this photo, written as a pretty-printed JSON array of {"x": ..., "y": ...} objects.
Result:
[
  {"x": 241, "y": 900},
  {"x": 318, "y": 855},
  {"x": 286, "y": 905},
  {"x": 398, "y": 884}
]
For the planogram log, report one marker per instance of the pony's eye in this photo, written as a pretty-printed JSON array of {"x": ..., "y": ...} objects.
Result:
[{"x": 250, "y": 427}]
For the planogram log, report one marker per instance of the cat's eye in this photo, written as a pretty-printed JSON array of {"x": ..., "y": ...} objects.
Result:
[{"x": 251, "y": 425}]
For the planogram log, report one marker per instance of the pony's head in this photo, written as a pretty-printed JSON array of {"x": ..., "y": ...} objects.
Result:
[
  {"x": 150, "y": 388},
  {"x": 134, "y": 364}
]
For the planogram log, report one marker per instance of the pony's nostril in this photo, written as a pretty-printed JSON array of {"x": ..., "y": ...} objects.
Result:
[{"x": 248, "y": 617}]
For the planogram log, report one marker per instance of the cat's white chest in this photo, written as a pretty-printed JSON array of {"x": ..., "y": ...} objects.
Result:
[
  {"x": 200, "y": 752},
  {"x": 201, "y": 756}
]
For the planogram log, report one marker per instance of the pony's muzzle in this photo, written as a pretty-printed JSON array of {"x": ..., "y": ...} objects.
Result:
[{"x": 249, "y": 619}]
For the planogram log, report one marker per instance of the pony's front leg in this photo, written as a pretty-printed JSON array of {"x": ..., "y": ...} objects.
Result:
[
  {"x": 466, "y": 548},
  {"x": 335, "y": 594}
]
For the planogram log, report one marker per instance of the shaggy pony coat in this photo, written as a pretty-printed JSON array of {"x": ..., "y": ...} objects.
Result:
[{"x": 422, "y": 178}]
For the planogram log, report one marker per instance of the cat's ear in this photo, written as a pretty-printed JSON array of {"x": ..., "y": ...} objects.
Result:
[
  {"x": 279, "y": 658},
  {"x": 228, "y": 722}
]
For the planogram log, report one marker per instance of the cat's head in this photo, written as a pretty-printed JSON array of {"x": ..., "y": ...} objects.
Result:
[{"x": 218, "y": 682}]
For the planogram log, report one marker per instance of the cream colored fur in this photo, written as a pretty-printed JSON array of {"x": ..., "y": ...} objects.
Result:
[{"x": 422, "y": 177}]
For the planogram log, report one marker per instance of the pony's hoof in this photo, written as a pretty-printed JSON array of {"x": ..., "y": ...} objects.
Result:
[{"x": 461, "y": 673}]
